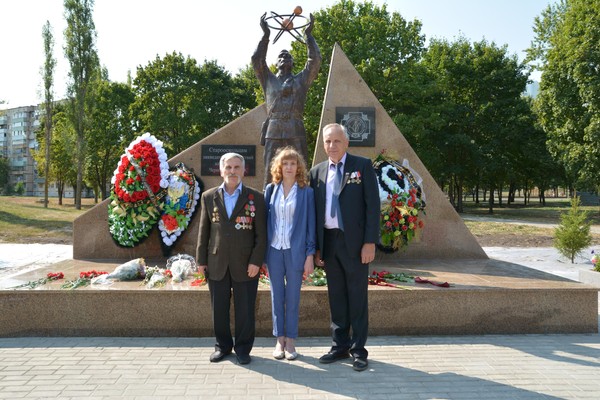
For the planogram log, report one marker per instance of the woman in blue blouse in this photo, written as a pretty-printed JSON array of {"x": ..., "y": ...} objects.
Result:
[{"x": 291, "y": 244}]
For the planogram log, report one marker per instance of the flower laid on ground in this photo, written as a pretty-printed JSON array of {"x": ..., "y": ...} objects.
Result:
[
  {"x": 595, "y": 261},
  {"x": 138, "y": 184},
  {"x": 385, "y": 278},
  {"x": 181, "y": 266},
  {"x": 199, "y": 280},
  {"x": 317, "y": 278},
  {"x": 156, "y": 277},
  {"x": 131, "y": 270},
  {"x": 85, "y": 278},
  {"x": 264, "y": 276},
  {"x": 402, "y": 202},
  {"x": 179, "y": 204},
  {"x": 51, "y": 276}
]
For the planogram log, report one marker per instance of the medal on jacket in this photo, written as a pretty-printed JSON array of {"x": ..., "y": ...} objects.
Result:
[
  {"x": 243, "y": 223},
  {"x": 215, "y": 215}
]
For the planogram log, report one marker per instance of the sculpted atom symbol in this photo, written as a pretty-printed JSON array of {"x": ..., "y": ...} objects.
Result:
[{"x": 285, "y": 23}]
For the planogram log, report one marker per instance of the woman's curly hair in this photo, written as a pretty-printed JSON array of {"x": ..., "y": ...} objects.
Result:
[{"x": 288, "y": 153}]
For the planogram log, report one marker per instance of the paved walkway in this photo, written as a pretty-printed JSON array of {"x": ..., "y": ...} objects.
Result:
[
  {"x": 464, "y": 367},
  {"x": 413, "y": 367}
]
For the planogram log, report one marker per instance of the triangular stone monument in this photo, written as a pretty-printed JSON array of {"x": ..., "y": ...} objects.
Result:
[{"x": 445, "y": 235}]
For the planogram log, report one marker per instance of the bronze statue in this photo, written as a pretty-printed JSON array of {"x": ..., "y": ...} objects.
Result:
[{"x": 285, "y": 94}]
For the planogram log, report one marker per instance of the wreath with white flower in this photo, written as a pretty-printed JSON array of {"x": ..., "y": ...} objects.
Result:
[
  {"x": 178, "y": 205},
  {"x": 138, "y": 185},
  {"x": 402, "y": 200}
]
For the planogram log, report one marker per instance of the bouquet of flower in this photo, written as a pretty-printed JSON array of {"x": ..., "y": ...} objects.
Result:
[
  {"x": 156, "y": 277},
  {"x": 134, "y": 269},
  {"x": 181, "y": 266},
  {"x": 138, "y": 185},
  {"x": 399, "y": 220},
  {"x": 317, "y": 278},
  {"x": 179, "y": 204}
]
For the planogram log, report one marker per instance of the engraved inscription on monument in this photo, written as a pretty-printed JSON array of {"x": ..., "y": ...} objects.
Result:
[
  {"x": 360, "y": 124},
  {"x": 211, "y": 154}
]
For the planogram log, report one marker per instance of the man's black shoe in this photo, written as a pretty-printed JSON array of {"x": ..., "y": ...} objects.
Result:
[
  {"x": 360, "y": 364},
  {"x": 333, "y": 357},
  {"x": 243, "y": 359},
  {"x": 219, "y": 355}
]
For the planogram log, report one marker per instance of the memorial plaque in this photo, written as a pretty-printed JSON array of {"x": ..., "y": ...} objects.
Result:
[
  {"x": 360, "y": 124},
  {"x": 211, "y": 154}
]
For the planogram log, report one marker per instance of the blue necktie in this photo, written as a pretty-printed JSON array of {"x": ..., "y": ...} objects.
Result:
[{"x": 335, "y": 196}]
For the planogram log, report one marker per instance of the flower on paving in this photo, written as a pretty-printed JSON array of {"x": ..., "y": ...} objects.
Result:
[
  {"x": 50, "y": 276},
  {"x": 85, "y": 278}
]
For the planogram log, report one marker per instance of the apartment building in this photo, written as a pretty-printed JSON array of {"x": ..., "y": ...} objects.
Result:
[
  {"x": 18, "y": 128},
  {"x": 17, "y": 140}
]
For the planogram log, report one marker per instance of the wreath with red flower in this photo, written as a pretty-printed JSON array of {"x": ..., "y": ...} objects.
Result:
[
  {"x": 138, "y": 186},
  {"x": 402, "y": 202}
]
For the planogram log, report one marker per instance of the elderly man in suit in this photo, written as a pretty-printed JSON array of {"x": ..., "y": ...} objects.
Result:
[
  {"x": 231, "y": 248},
  {"x": 348, "y": 212}
]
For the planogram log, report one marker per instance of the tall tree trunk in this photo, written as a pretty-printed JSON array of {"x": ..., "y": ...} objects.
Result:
[{"x": 491, "y": 201}]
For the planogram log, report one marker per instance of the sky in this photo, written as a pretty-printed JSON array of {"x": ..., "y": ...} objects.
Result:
[{"x": 132, "y": 33}]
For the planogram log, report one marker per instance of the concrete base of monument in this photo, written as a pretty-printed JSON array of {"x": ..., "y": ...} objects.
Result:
[{"x": 485, "y": 297}]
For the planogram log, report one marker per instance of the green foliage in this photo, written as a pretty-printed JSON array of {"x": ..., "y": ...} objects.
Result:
[
  {"x": 80, "y": 50},
  {"x": 573, "y": 233},
  {"x": 111, "y": 131},
  {"x": 20, "y": 188},
  {"x": 62, "y": 169},
  {"x": 485, "y": 118},
  {"x": 181, "y": 102},
  {"x": 384, "y": 48},
  {"x": 48, "y": 77},
  {"x": 567, "y": 48},
  {"x": 4, "y": 171}
]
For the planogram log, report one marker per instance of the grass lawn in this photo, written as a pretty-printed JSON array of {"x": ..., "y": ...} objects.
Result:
[
  {"x": 533, "y": 212},
  {"x": 26, "y": 220}
]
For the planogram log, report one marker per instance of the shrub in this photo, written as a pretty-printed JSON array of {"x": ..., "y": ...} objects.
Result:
[{"x": 573, "y": 233}]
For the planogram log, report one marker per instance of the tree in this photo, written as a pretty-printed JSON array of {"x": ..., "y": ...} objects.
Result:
[
  {"x": 48, "y": 77},
  {"x": 62, "y": 167},
  {"x": 181, "y": 102},
  {"x": 483, "y": 113},
  {"x": 80, "y": 50},
  {"x": 4, "y": 172},
  {"x": 573, "y": 233},
  {"x": 567, "y": 51},
  {"x": 383, "y": 47},
  {"x": 111, "y": 130}
]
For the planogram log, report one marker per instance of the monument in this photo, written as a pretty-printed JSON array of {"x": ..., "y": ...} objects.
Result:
[
  {"x": 285, "y": 92},
  {"x": 485, "y": 296}
]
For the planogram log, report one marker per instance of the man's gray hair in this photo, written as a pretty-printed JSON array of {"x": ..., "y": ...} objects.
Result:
[
  {"x": 229, "y": 156},
  {"x": 336, "y": 125}
]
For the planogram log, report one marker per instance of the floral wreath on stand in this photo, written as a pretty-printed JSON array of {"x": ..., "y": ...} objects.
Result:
[
  {"x": 178, "y": 205},
  {"x": 402, "y": 202},
  {"x": 138, "y": 185}
]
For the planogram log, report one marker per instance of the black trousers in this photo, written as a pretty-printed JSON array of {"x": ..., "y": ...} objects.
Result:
[
  {"x": 244, "y": 300},
  {"x": 347, "y": 287}
]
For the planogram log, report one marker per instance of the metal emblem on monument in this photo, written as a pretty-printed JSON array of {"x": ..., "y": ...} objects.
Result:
[{"x": 359, "y": 123}]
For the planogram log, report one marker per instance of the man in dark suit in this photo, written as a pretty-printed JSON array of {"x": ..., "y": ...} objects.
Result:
[
  {"x": 348, "y": 212},
  {"x": 231, "y": 248}
]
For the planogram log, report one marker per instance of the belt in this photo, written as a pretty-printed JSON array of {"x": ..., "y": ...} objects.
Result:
[{"x": 283, "y": 115}]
